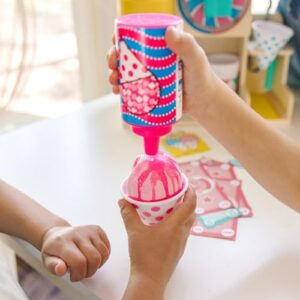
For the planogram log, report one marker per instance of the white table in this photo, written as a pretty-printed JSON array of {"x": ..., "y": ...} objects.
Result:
[{"x": 74, "y": 166}]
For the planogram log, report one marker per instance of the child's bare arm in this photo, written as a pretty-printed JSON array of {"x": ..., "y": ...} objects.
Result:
[
  {"x": 81, "y": 250},
  {"x": 272, "y": 158}
]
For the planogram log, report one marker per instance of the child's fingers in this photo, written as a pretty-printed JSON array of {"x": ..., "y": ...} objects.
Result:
[
  {"x": 130, "y": 216},
  {"x": 184, "y": 45},
  {"x": 113, "y": 77},
  {"x": 92, "y": 255},
  {"x": 61, "y": 268},
  {"x": 113, "y": 80},
  {"x": 103, "y": 238},
  {"x": 112, "y": 58},
  {"x": 102, "y": 249},
  {"x": 116, "y": 90},
  {"x": 185, "y": 211},
  {"x": 55, "y": 265},
  {"x": 76, "y": 262}
]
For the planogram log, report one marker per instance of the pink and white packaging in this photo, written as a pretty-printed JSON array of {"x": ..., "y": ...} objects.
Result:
[
  {"x": 155, "y": 187},
  {"x": 150, "y": 73}
]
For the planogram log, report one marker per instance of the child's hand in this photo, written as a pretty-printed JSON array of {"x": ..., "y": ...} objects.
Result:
[
  {"x": 155, "y": 251},
  {"x": 199, "y": 79},
  {"x": 112, "y": 64},
  {"x": 82, "y": 250}
]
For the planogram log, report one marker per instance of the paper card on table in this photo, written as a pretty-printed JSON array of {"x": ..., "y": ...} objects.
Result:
[
  {"x": 218, "y": 170},
  {"x": 183, "y": 143},
  {"x": 209, "y": 197},
  {"x": 234, "y": 192},
  {"x": 214, "y": 219},
  {"x": 226, "y": 230},
  {"x": 193, "y": 168},
  {"x": 223, "y": 176},
  {"x": 209, "y": 200}
]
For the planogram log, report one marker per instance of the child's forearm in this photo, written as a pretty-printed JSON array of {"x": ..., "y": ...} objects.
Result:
[
  {"x": 22, "y": 217},
  {"x": 140, "y": 287},
  {"x": 272, "y": 158}
]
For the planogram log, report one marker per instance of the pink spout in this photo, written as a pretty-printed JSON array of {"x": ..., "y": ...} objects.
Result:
[
  {"x": 151, "y": 136},
  {"x": 151, "y": 144}
]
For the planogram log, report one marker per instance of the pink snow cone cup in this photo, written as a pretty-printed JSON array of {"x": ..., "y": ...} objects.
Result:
[{"x": 154, "y": 187}]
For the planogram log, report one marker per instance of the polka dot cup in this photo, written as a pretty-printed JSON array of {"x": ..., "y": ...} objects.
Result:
[
  {"x": 269, "y": 37},
  {"x": 152, "y": 213}
]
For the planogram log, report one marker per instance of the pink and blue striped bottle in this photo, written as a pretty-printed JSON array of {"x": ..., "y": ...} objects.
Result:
[{"x": 150, "y": 75}]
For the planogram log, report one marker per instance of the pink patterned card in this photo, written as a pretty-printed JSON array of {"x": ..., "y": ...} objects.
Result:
[
  {"x": 217, "y": 188},
  {"x": 233, "y": 190},
  {"x": 210, "y": 197},
  {"x": 227, "y": 231},
  {"x": 218, "y": 170}
]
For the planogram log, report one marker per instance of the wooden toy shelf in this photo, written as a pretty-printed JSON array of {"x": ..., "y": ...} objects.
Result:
[
  {"x": 233, "y": 41},
  {"x": 277, "y": 104}
]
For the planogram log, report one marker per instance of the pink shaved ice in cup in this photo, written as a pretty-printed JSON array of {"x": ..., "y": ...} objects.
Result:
[{"x": 154, "y": 187}]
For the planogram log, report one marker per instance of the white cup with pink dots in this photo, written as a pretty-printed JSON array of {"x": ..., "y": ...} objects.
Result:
[
  {"x": 153, "y": 212},
  {"x": 155, "y": 186}
]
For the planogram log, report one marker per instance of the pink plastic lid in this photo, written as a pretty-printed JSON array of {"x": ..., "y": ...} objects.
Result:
[
  {"x": 149, "y": 20},
  {"x": 154, "y": 178}
]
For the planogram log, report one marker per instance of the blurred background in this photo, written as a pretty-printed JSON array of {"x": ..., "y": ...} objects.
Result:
[
  {"x": 53, "y": 56},
  {"x": 39, "y": 61}
]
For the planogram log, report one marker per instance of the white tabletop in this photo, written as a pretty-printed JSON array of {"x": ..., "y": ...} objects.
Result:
[{"x": 74, "y": 166}]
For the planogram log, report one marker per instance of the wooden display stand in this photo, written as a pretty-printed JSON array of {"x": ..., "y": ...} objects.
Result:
[
  {"x": 234, "y": 41},
  {"x": 275, "y": 105}
]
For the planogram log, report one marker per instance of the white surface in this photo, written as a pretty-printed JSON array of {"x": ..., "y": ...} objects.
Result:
[
  {"x": 8, "y": 259},
  {"x": 74, "y": 167},
  {"x": 9, "y": 287}
]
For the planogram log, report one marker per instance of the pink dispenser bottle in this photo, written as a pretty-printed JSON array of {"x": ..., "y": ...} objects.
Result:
[{"x": 150, "y": 76}]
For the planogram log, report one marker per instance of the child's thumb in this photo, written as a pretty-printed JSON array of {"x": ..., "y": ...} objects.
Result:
[
  {"x": 184, "y": 45},
  {"x": 55, "y": 265},
  {"x": 129, "y": 215}
]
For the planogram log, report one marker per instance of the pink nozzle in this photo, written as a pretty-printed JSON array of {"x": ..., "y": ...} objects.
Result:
[{"x": 151, "y": 136}]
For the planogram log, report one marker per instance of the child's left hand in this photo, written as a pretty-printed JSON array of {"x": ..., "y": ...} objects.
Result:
[{"x": 80, "y": 250}]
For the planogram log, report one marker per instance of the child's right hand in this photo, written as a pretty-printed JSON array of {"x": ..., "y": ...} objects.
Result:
[
  {"x": 155, "y": 251},
  {"x": 80, "y": 249},
  {"x": 199, "y": 79}
]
